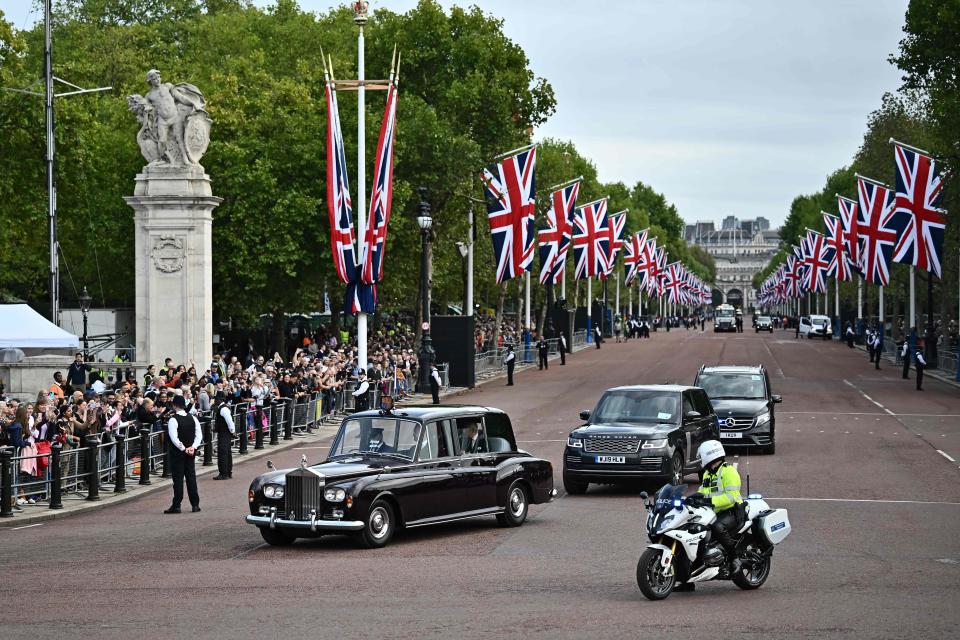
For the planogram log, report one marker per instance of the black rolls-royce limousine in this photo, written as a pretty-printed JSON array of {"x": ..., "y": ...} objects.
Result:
[{"x": 412, "y": 467}]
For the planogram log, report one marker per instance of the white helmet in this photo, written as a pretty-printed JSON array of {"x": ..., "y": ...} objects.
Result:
[{"x": 709, "y": 451}]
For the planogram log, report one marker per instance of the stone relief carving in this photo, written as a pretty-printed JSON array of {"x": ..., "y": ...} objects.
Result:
[
  {"x": 174, "y": 127},
  {"x": 168, "y": 254}
]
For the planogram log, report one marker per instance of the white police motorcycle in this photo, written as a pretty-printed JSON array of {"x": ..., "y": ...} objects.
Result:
[{"x": 682, "y": 552}]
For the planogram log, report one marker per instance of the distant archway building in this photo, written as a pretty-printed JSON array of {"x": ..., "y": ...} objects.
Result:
[{"x": 740, "y": 248}]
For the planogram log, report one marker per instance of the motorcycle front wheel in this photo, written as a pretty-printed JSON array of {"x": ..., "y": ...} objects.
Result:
[
  {"x": 653, "y": 584},
  {"x": 755, "y": 572}
]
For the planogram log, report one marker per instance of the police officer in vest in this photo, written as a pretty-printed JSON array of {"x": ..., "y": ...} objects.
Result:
[
  {"x": 511, "y": 361},
  {"x": 435, "y": 383},
  {"x": 720, "y": 490},
  {"x": 224, "y": 427},
  {"x": 905, "y": 357},
  {"x": 185, "y": 437},
  {"x": 921, "y": 362},
  {"x": 543, "y": 350},
  {"x": 563, "y": 348}
]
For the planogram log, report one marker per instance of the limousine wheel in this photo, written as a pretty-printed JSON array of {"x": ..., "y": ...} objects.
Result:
[
  {"x": 379, "y": 526},
  {"x": 517, "y": 506},
  {"x": 276, "y": 537}
]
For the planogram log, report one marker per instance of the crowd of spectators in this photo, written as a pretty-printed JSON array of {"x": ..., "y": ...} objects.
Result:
[{"x": 92, "y": 401}]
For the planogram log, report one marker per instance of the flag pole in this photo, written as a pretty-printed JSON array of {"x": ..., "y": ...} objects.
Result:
[
  {"x": 617, "y": 297},
  {"x": 563, "y": 283},
  {"x": 360, "y": 18},
  {"x": 909, "y": 146},
  {"x": 510, "y": 153},
  {"x": 859, "y": 298},
  {"x": 589, "y": 308},
  {"x": 526, "y": 302},
  {"x": 564, "y": 184},
  {"x": 913, "y": 298},
  {"x": 880, "y": 307}
]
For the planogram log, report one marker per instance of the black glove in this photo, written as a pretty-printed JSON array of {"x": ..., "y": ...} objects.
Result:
[{"x": 698, "y": 500}]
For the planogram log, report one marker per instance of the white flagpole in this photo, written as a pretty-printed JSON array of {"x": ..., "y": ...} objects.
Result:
[
  {"x": 563, "y": 282},
  {"x": 629, "y": 301},
  {"x": 913, "y": 299},
  {"x": 639, "y": 302},
  {"x": 526, "y": 295},
  {"x": 361, "y": 191},
  {"x": 859, "y": 298},
  {"x": 589, "y": 309},
  {"x": 617, "y": 297},
  {"x": 836, "y": 300},
  {"x": 880, "y": 305}
]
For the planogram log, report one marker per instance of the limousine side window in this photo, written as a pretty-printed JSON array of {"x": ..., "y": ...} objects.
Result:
[
  {"x": 436, "y": 441},
  {"x": 499, "y": 433},
  {"x": 470, "y": 435}
]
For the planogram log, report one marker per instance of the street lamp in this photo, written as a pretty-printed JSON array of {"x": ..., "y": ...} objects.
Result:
[
  {"x": 424, "y": 221},
  {"x": 85, "y": 301}
]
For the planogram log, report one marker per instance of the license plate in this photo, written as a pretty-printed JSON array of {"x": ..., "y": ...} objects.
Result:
[
  {"x": 731, "y": 434},
  {"x": 611, "y": 459}
]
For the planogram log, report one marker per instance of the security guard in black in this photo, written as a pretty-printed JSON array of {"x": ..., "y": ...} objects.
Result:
[{"x": 185, "y": 437}]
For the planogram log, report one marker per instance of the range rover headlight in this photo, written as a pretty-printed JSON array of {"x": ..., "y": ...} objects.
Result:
[
  {"x": 654, "y": 444},
  {"x": 763, "y": 418},
  {"x": 576, "y": 443},
  {"x": 272, "y": 491},
  {"x": 334, "y": 494}
]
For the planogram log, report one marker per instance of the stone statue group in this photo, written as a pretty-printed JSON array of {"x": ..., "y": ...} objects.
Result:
[{"x": 174, "y": 127}]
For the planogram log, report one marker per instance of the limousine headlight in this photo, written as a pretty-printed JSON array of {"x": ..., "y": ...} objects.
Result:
[
  {"x": 334, "y": 494},
  {"x": 576, "y": 443},
  {"x": 272, "y": 491},
  {"x": 655, "y": 444}
]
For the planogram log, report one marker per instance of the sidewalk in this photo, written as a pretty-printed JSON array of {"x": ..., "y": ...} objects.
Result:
[{"x": 936, "y": 374}]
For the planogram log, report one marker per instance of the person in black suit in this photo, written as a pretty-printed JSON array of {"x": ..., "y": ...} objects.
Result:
[
  {"x": 543, "y": 350},
  {"x": 472, "y": 442},
  {"x": 185, "y": 438},
  {"x": 511, "y": 361}
]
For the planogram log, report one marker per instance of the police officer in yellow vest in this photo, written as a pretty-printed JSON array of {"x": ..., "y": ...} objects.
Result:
[{"x": 720, "y": 490}]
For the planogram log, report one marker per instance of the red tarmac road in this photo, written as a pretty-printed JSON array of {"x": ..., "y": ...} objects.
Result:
[{"x": 862, "y": 464}]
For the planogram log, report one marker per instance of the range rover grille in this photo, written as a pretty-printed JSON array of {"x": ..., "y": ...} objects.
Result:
[
  {"x": 612, "y": 445},
  {"x": 303, "y": 493}
]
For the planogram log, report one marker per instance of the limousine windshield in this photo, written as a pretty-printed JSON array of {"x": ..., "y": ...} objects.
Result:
[{"x": 377, "y": 435}]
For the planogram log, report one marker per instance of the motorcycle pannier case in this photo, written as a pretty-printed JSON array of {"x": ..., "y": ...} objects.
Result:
[{"x": 775, "y": 526}]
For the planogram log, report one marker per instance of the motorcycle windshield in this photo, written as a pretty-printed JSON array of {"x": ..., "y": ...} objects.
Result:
[{"x": 667, "y": 497}]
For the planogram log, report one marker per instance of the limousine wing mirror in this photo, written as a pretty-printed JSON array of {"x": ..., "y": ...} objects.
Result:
[
  {"x": 776, "y": 399},
  {"x": 585, "y": 414}
]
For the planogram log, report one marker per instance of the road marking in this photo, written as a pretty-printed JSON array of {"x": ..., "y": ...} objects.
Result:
[
  {"x": 318, "y": 447},
  {"x": 869, "y": 398},
  {"x": 945, "y": 455},
  {"x": 863, "y": 500},
  {"x": 530, "y": 441},
  {"x": 27, "y": 526},
  {"x": 865, "y": 413}
]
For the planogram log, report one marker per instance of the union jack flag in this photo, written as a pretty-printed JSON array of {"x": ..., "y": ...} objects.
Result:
[
  {"x": 793, "y": 276},
  {"x": 920, "y": 221},
  {"x": 838, "y": 268},
  {"x": 673, "y": 282},
  {"x": 555, "y": 238},
  {"x": 618, "y": 225},
  {"x": 510, "y": 188},
  {"x": 818, "y": 255},
  {"x": 381, "y": 196},
  {"x": 636, "y": 258},
  {"x": 851, "y": 234},
  {"x": 590, "y": 239},
  {"x": 874, "y": 225},
  {"x": 339, "y": 207},
  {"x": 655, "y": 282}
]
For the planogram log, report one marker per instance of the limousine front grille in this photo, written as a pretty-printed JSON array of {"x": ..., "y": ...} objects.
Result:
[
  {"x": 735, "y": 423},
  {"x": 303, "y": 493},
  {"x": 628, "y": 444}
]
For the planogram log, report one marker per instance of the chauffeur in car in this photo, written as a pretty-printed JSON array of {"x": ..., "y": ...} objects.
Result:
[{"x": 405, "y": 468}]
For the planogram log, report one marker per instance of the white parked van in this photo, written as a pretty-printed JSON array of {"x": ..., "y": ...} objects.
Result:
[{"x": 816, "y": 326}]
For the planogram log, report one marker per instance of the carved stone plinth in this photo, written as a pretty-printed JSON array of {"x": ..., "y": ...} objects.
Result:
[{"x": 173, "y": 209}]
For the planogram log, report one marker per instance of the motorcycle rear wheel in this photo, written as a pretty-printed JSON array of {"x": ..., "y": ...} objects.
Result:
[
  {"x": 653, "y": 584},
  {"x": 753, "y": 577}
]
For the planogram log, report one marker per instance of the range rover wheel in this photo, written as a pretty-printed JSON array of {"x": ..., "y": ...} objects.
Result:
[
  {"x": 574, "y": 487},
  {"x": 676, "y": 468},
  {"x": 379, "y": 525},
  {"x": 518, "y": 504},
  {"x": 276, "y": 537}
]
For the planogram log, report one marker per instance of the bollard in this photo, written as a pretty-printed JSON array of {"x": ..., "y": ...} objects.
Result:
[
  {"x": 258, "y": 428},
  {"x": 207, "y": 443},
  {"x": 6, "y": 482},
  {"x": 144, "y": 456},
  {"x": 244, "y": 435},
  {"x": 120, "y": 474},
  {"x": 166, "y": 457},
  {"x": 56, "y": 476},
  {"x": 93, "y": 468},
  {"x": 288, "y": 422},
  {"x": 274, "y": 435}
]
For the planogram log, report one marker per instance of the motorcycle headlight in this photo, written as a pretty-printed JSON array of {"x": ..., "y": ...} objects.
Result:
[
  {"x": 763, "y": 418},
  {"x": 272, "y": 491},
  {"x": 576, "y": 443},
  {"x": 334, "y": 494},
  {"x": 655, "y": 444}
]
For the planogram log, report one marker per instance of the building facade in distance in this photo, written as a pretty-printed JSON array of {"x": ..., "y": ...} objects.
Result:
[{"x": 740, "y": 248}]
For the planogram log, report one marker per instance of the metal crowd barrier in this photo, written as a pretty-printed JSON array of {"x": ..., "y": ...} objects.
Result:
[{"x": 579, "y": 339}]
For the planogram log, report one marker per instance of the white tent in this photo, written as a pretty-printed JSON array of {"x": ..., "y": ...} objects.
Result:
[{"x": 23, "y": 328}]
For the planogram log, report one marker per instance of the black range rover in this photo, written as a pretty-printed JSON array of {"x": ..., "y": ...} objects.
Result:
[
  {"x": 742, "y": 398},
  {"x": 648, "y": 432}
]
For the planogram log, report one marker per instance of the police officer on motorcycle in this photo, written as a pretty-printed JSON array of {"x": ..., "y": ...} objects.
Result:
[{"x": 720, "y": 490}]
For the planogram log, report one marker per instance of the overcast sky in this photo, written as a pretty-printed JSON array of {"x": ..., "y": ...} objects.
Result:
[{"x": 728, "y": 107}]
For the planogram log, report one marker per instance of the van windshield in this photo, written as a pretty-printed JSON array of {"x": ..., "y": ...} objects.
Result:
[{"x": 738, "y": 386}]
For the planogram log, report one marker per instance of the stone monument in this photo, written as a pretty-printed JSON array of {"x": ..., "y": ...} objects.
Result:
[{"x": 173, "y": 206}]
